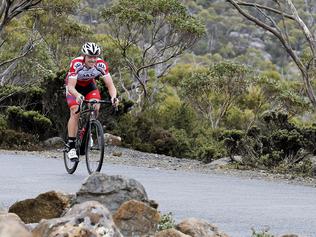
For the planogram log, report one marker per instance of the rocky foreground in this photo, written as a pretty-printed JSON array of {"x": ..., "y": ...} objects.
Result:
[{"x": 104, "y": 206}]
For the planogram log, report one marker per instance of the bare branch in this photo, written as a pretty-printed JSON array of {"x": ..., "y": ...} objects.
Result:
[
  {"x": 286, "y": 44},
  {"x": 10, "y": 9},
  {"x": 28, "y": 47},
  {"x": 283, "y": 22},
  {"x": 2, "y": 43},
  {"x": 273, "y": 31},
  {"x": 270, "y": 19},
  {"x": 16, "y": 58},
  {"x": 310, "y": 38},
  {"x": 266, "y": 8}
]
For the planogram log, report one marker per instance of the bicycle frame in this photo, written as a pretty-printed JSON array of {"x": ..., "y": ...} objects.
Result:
[
  {"x": 91, "y": 111},
  {"x": 88, "y": 122}
]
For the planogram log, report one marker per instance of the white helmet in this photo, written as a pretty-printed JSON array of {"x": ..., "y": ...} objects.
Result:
[{"x": 91, "y": 49}]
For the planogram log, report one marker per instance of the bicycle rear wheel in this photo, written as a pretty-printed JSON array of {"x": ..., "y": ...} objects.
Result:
[
  {"x": 70, "y": 165},
  {"x": 94, "y": 147}
]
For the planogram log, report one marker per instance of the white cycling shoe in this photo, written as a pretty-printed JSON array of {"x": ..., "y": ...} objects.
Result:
[{"x": 72, "y": 155}]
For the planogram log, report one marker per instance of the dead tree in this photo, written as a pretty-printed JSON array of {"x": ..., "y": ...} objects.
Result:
[{"x": 266, "y": 16}]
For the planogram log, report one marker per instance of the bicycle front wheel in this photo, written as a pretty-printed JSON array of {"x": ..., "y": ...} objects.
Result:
[
  {"x": 69, "y": 165},
  {"x": 94, "y": 147}
]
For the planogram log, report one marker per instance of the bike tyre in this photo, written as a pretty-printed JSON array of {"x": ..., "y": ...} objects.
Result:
[
  {"x": 70, "y": 165},
  {"x": 95, "y": 125}
]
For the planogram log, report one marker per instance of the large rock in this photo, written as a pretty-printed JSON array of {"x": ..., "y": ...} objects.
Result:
[
  {"x": 135, "y": 218},
  {"x": 15, "y": 218},
  {"x": 199, "y": 228},
  {"x": 313, "y": 161},
  {"x": 112, "y": 139},
  {"x": 170, "y": 233},
  {"x": 219, "y": 163},
  {"x": 222, "y": 162},
  {"x": 89, "y": 219},
  {"x": 45, "y": 206},
  {"x": 54, "y": 142},
  {"x": 111, "y": 191},
  {"x": 10, "y": 217},
  {"x": 12, "y": 227}
]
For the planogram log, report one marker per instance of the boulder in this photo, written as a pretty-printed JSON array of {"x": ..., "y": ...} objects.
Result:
[
  {"x": 13, "y": 227},
  {"x": 222, "y": 162},
  {"x": 237, "y": 159},
  {"x": 135, "y": 218},
  {"x": 219, "y": 163},
  {"x": 199, "y": 228},
  {"x": 112, "y": 139},
  {"x": 54, "y": 142},
  {"x": 111, "y": 191},
  {"x": 88, "y": 219},
  {"x": 313, "y": 161},
  {"x": 170, "y": 233},
  {"x": 45, "y": 206},
  {"x": 15, "y": 218}
]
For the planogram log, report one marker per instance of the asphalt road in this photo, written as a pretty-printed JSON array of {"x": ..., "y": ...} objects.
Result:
[{"x": 234, "y": 204}]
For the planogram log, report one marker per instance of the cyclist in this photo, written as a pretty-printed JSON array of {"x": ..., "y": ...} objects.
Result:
[{"x": 80, "y": 84}]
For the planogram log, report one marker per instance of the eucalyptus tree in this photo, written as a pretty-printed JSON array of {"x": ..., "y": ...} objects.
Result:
[
  {"x": 277, "y": 17},
  {"x": 10, "y": 9},
  {"x": 213, "y": 91},
  {"x": 53, "y": 28},
  {"x": 150, "y": 34}
]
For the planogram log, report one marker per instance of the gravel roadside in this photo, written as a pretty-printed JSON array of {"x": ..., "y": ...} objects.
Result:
[{"x": 124, "y": 156}]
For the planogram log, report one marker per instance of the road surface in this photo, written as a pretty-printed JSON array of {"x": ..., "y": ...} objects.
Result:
[{"x": 234, "y": 204}]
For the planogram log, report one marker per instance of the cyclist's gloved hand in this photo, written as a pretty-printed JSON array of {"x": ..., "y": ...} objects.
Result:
[
  {"x": 115, "y": 101},
  {"x": 100, "y": 69},
  {"x": 79, "y": 98}
]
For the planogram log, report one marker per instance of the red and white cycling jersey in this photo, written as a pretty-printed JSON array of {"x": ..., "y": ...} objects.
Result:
[{"x": 85, "y": 75}]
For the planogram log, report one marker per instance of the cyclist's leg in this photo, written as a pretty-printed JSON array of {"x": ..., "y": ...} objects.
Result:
[
  {"x": 74, "y": 118},
  {"x": 72, "y": 126},
  {"x": 94, "y": 95}
]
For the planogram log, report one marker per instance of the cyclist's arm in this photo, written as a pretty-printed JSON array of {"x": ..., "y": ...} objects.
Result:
[
  {"x": 72, "y": 81},
  {"x": 110, "y": 85}
]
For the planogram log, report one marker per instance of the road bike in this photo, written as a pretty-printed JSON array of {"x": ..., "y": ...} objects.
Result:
[{"x": 89, "y": 140}]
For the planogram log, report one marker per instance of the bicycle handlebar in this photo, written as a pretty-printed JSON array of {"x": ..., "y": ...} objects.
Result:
[{"x": 94, "y": 102}]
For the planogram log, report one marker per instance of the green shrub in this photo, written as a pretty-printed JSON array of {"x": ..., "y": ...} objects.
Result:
[
  {"x": 11, "y": 139},
  {"x": 184, "y": 118},
  {"x": 145, "y": 132},
  {"x": 288, "y": 141},
  {"x": 166, "y": 222},
  {"x": 54, "y": 102},
  {"x": 209, "y": 153},
  {"x": 232, "y": 139},
  {"x": 135, "y": 132},
  {"x": 162, "y": 140},
  {"x": 274, "y": 144},
  {"x": 30, "y": 97},
  {"x": 183, "y": 143},
  {"x": 263, "y": 233},
  {"x": 28, "y": 121},
  {"x": 3, "y": 123}
]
